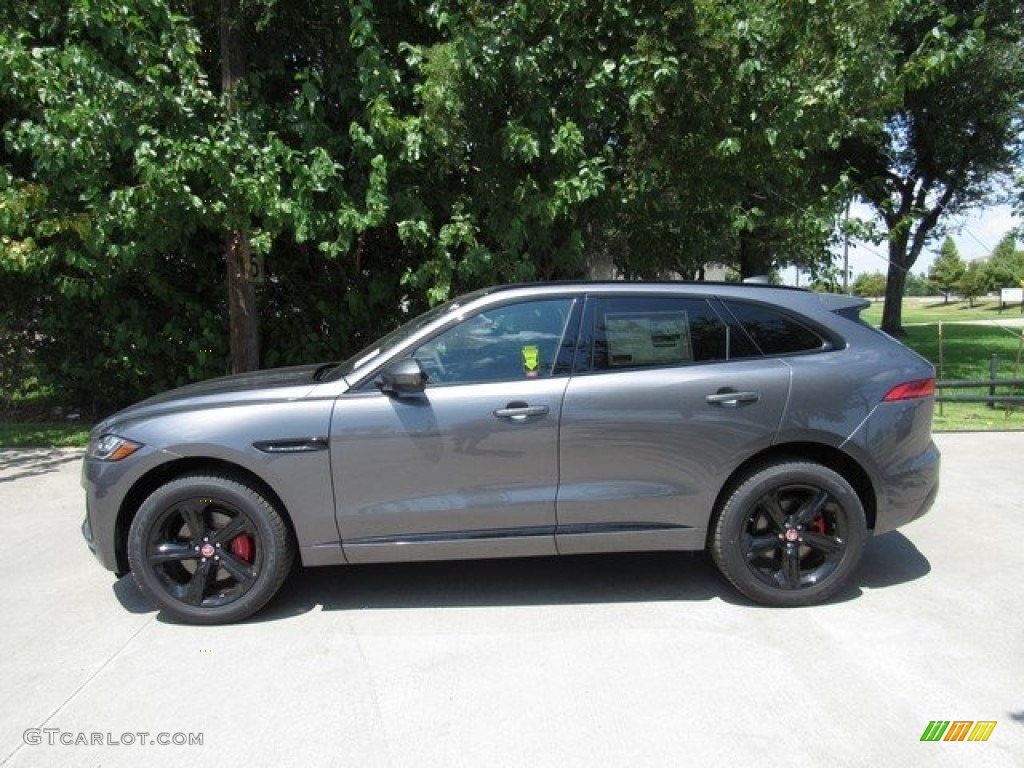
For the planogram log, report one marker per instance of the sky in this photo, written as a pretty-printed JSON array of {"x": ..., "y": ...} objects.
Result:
[{"x": 975, "y": 235}]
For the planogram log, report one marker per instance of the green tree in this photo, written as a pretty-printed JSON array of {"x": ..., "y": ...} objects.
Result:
[
  {"x": 89, "y": 248},
  {"x": 125, "y": 172},
  {"x": 731, "y": 133},
  {"x": 869, "y": 285},
  {"x": 951, "y": 130},
  {"x": 368, "y": 159},
  {"x": 947, "y": 269},
  {"x": 513, "y": 140},
  {"x": 918, "y": 285},
  {"x": 652, "y": 137},
  {"x": 972, "y": 283},
  {"x": 1004, "y": 268}
]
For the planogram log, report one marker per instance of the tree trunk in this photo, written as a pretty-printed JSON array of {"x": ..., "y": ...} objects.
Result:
[
  {"x": 245, "y": 328},
  {"x": 755, "y": 255},
  {"x": 244, "y": 321},
  {"x": 600, "y": 265},
  {"x": 895, "y": 285}
]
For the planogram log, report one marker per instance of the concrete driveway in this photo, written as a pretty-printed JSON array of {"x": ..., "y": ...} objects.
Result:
[{"x": 599, "y": 661}]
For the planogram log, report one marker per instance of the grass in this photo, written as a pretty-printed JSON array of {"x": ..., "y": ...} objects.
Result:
[
  {"x": 966, "y": 353},
  {"x": 975, "y": 417},
  {"x": 43, "y": 435},
  {"x": 967, "y": 350},
  {"x": 30, "y": 418},
  {"x": 930, "y": 310}
]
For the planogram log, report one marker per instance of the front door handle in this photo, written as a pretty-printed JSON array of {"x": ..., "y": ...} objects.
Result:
[
  {"x": 731, "y": 399},
  {"x": 521, "y": 411}
]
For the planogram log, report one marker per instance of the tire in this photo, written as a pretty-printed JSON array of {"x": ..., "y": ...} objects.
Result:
[
  {"x": 227, "y": 570},
  {"x": 790, "y": 534}
]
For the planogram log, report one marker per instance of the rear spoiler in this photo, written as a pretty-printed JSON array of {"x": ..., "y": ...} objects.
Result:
[{"x": 849, "y": 307}]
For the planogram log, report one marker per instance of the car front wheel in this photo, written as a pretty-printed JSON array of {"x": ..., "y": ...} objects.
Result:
[
  {"x": 790, "y": 534},
  {"x": 208, "y": 549}
]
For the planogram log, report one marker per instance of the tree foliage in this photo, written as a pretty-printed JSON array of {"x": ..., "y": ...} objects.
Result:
[
  {"x": 870, "y": 285},
  {"x": 951, "y": 130},
  {"x": 126, "y": 172},
  {"x": 728, "y": 143},
  {"x": 947, "y": 269},
  {"x": 96, "y": 217},
  {"x": 1004, "y": 268},
  {"x": 971, "y": 284},
  {"x": 918, "y": 285},
  {"x": 346, "y": 162}
]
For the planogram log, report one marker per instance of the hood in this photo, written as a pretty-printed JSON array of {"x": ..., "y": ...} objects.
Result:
[{"x": 271, "y": 385}]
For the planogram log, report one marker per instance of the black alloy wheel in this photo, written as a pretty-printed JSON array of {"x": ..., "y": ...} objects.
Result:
[
  {"x": 209, "y": 549},
  {"x": 791, "y": 534}
]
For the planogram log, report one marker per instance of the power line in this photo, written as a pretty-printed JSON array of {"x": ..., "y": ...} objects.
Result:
[{"x": 975, "y": 238}]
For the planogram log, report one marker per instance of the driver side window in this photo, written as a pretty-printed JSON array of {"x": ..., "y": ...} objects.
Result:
[{"x": 507, "y": 343}]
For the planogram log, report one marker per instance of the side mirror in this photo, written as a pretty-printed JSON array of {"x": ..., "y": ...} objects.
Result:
[{"x": 403, "y": 377}]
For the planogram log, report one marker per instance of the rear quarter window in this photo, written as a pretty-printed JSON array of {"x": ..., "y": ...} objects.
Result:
[{"x": 775, "y": 331}]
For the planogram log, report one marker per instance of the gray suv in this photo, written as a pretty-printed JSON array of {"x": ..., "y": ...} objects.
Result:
[{"x": 767, "y": 425}]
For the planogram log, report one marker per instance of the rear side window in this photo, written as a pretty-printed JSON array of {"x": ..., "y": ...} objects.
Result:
[
  {"x": 774, "y": 331},
  {"x": 650, "y": 331}
]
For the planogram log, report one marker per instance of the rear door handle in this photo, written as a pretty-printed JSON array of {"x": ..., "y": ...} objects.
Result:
[
  {"x": 731, "y": 399},
  {"x": 521, "y": 411}
]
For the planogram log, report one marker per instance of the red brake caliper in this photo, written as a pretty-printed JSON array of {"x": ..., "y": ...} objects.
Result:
[{"x": 242, "y": 547}]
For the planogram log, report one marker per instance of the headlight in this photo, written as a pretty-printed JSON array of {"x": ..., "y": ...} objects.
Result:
[{"x": 112, "y": 448}]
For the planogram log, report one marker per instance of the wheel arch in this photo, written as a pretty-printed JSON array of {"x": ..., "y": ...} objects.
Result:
[
  {"x": 828, "y": 456},
  {"x": 172, "y": 470}
]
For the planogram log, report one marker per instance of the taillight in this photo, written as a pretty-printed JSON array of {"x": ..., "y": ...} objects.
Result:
[{"x": 911, "y": 390}]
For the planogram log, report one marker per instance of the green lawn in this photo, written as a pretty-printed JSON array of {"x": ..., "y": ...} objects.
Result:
[
  {"x": 966, "y": 353},
  {"x": 31, "y": 418},
  {"x": 976, "y": 417},
  {"x": 930, "y": 310},
  {"x": 967, "y": 350},
  {"x": 43, "y": 435}
]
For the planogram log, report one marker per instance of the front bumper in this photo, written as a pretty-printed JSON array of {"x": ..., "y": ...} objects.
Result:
[
  {"x": 87, "y": 533},
  {"x": 106, "y": 555},
  {"x": 106, "y": 486},
  {"x": 107, "y": 558}
]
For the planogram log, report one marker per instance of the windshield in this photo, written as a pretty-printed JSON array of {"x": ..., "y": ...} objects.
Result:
[{"x": 398, "y": 336}]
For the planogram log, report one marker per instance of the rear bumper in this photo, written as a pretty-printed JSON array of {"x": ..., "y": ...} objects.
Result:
[
  {"x": 909, "y": 493},
  {"x": 894, "y": 444}
]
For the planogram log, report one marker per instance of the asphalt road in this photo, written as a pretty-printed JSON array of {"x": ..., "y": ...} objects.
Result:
[{"x": 599, "y": 661}]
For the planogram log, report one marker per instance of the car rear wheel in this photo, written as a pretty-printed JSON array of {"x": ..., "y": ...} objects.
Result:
[
  {"x": 790, "y": 534},
  {"x": 208, "y": 549}
]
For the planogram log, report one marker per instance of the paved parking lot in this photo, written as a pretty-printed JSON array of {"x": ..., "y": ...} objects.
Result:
[{"x": 613, "y": 661}]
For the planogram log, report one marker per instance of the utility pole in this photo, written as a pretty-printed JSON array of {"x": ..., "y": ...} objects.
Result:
[{"x": 846, "y": 250}]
